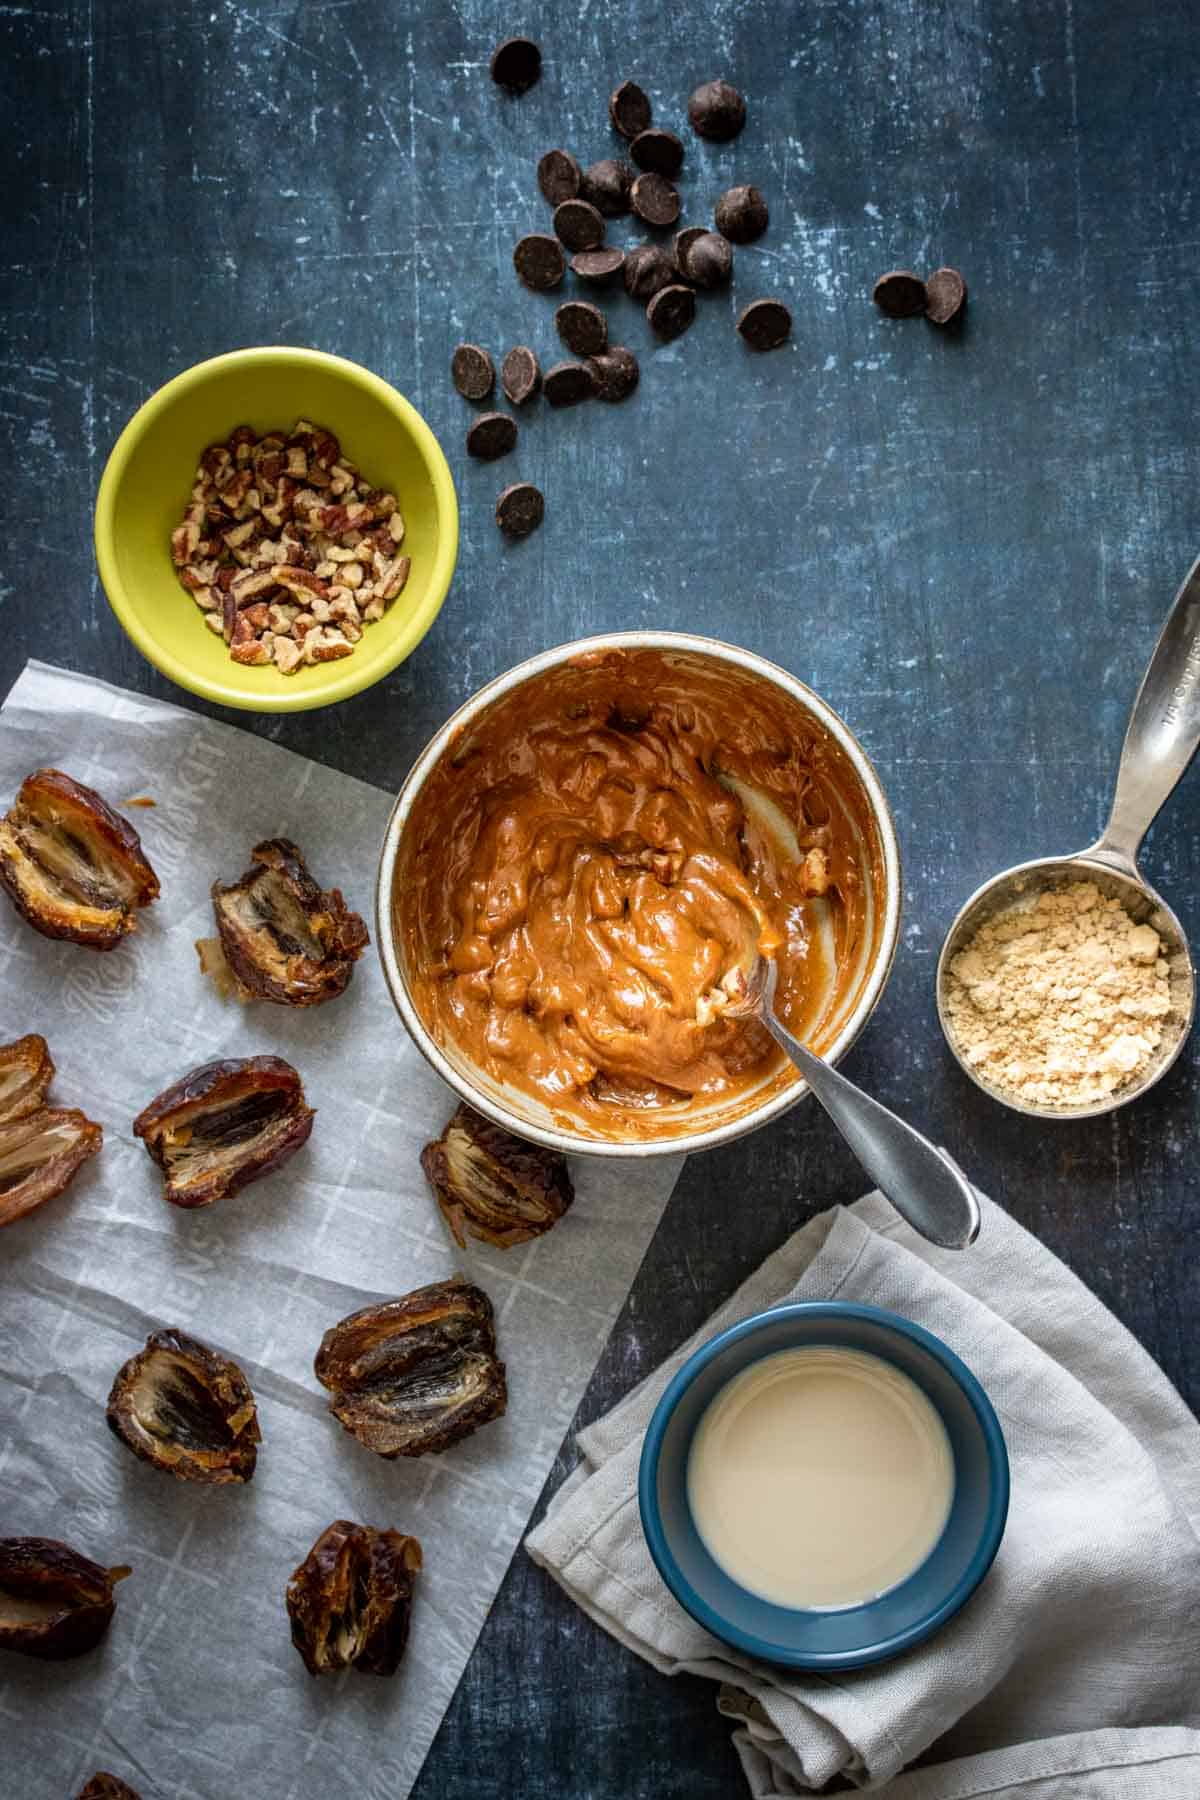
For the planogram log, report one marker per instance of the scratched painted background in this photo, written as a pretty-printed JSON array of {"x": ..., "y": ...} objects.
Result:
[{"x": 966, "y": 543}]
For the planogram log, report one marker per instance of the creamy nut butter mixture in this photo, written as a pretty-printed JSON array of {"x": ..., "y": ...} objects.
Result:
[{"x": 583, "y": 880}]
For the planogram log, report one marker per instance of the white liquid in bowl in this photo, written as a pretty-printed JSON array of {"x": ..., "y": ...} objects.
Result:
[{"x": 820, "y": 1477}]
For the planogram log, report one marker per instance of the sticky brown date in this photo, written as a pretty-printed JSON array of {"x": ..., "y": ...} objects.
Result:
[
  {"x": 223, "y": 1126},
  {"x": 284, "y": 938},
  {"x": 104, "y": 1786},
  {"x": 54, "y": 1602},
  {"x": 493, "y": 1184},
  {"x": 71, "y": 866},
  {"x": 415, "y": 1375},
  {"x": 42, "y": 1147},
  {"x": 350, "y": 1600},
  {"x": 26, "y": 1071},
  {"x": 186, "y": 1409}
]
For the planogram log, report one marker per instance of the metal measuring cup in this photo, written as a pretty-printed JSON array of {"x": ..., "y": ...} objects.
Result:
[{"x": 1162, "y": 737}]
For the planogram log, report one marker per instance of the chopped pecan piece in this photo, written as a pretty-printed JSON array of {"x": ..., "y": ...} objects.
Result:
[
  {"x": 187, "y": 1410},
  {"x": 350, "y": 1600},
  {"x": 40, "y": 1155},
  {"x": 224, "y": 1125},
  {"x": 54, "y": 1602},
  {"x": 72, "y": 866},
  {"x": 26, "y": 1071},
  {"x": 285, "y": 939},
  {"x": 417, "y": 1374},
  {"x": 493, "y": 1184},
  {"x": 104, "y": 1786}
]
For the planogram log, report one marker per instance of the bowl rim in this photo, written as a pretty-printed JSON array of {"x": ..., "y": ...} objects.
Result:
[
  {"x": 341, "y": 686},
  {"x": 981, "y": 1561},
  {"x": 888, "y": 921}
]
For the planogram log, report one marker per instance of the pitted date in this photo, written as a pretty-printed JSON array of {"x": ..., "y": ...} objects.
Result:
[
  {"x": 54, "y": 1602},
  {"x": 415, "y": 1375},
  {"x": 104, "y": 1786},
  {"x": 493, "y": 1184},
  {"x": 40, "y": 1155},
  {"x": 350, "y": 1600},
  {"x": 26, "y": 1071},
  {"x": 71, "y": 866},
  {"x": 284, "y": 938},
  {"x": 187, "y": 1410},
  {"x": 224, "y": 1125}
]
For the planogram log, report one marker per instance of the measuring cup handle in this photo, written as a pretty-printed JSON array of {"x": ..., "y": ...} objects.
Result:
[{"x": 1163, "y": 733}]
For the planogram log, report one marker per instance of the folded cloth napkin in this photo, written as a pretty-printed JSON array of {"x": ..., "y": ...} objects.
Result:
[{"x": 1087, "y": 1627}]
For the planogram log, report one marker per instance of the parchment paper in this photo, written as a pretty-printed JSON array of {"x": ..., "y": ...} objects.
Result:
[{"x": 197, "y": 1693}]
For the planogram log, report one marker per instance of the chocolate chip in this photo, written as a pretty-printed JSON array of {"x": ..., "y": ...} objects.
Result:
[
  {"x": 671, "y": 312},
  {"x": 765, "y": 324},
  {"x": 629, "y": 109},
  {"x": 900, "y": 294},
  {"x": 520, "y": 509},
  {"x": 703, "y": 257},
  {"x": 654, "y": 199},
  {"x": 516, "y": 64},
  {"x": 717, "y": 111},
  {"x": 567, "y": 383},
  {"x": 945, "y": 296},
  {"x": 648, "y": 267},
  {"x": 579, "y": 225},
  {"x": 492, "y": 435},
  {"x": 539, "y": 262},
  {"x": 558, "y": 176},
  {"x": 606, "y": 185},
  {"x": 582, "y": 327},
  {"x": 741, "y": 214},
  {"x": 660, "y": 151},
  {"x": 599, "y": 266},
  {"x": 520, "y": 375},
  {"x": 472, "y": 372},
  {"x": 616, "y": 373}
]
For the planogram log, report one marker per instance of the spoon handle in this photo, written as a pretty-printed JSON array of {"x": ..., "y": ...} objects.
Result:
[
  {"x": 1163, "y": 733},
  {"x": 923, "y": 1183}
]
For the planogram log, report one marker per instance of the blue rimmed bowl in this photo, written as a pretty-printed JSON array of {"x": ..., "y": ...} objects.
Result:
[{"x": 850, "y": 1637}]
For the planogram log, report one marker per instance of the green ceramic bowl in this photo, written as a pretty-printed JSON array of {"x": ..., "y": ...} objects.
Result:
[{"x": 148, "y": 480}]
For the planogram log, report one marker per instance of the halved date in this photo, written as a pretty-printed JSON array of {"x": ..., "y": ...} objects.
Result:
[
  {"x": 26, "y": 1071},
  {"x": 104, "y": 1786},
  {"x": 187, "y": 1410},
  {"x": 73, "y": 867},
  {"x": 40, "y": 1155},
  {"x": 284, "y": 938},
  {"x": 224, "y": 1125},
  {"x": 54, "y": 1602},
  {"x": 415, "y": 1375},
  {"x": 350, "y": 1600},
  {"x": 493, "y": 1184}
]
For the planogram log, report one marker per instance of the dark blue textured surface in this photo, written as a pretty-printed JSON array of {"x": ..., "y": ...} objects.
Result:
[{"x": 965, "y": 543}]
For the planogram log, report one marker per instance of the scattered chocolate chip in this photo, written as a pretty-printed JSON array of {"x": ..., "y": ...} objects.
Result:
[
  {"x": 703, "y": 257},
  {"x": 567, "y": 383},
  {"x": 660, "y": 151},
  {"x": 606, "y": 185},
  {"x": 900, "y": 294},
  {"x": 578, "y": 225},
  {"x": 520, "y": 375},
  {"x": 558, "y": 176},
  {"x": 648, "y": 267},
  {"x": 717, "y": 111},
  {"x": 491, "y": 435},
  {"x": 472, "y": 372},
  {"x": 516, "y": 64},
  {"x": 671, "y": 312},
  {"x": 582, "y": 327},
  {"x": 616, "y": 372},
  {"x": 945, "y": 296},
  {"x": 654, "y": 199},
  {"x": 520, "y": 509},
  {"x": 765, "y": 324},
  {"x": 539, "y": 262},
  {"x": 599, "y": 266},
  {"x": 629, "y": 109},
  {"x": 741, "y": 215}
]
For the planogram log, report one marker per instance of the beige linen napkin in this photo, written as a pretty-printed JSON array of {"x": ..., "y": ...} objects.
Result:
[{"x": 1088, "y": 1625}]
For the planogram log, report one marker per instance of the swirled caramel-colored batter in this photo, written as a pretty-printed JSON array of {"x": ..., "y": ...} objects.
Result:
[{"x": 591, "y": 862}]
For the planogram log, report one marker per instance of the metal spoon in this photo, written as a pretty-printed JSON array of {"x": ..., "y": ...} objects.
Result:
[
  {"x": 1163, "y": 733},
  {"x": 923, "y": 1183}
]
